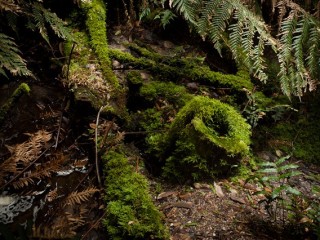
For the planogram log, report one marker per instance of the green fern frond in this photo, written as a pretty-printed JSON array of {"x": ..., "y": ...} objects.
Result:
[
  {"x": 212, "y": 19},
  {"x": 10, "y": 58},
  {"x": 39, "y": 21},
  {"x": 230, "y": 23},
  {"x": 43, "y": 18},
  {"x": 187, "y": 8}
]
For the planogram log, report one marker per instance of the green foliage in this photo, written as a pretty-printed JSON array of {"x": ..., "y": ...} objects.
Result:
[
  {"x": 298, "y": 138},
  {"x": 165, "y": 17},
  {"x": 169, "y": 91},
  {"x": 274, "y": 178},
  {"x": 10, "y": 58},
  {"x": 41, "y": 17},
  {"x": 96, "y": 24},
  {"x": 206, "y": 138},
  {"x": 131, "y": 213},
  {"x": 173, "y": 69},
  {"x": 230, "y": 23},
  {"x": 37, "y": 18},
  {"x": 299, "y": 53}
]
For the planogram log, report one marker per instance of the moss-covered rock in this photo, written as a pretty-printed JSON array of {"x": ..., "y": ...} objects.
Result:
[
  {"x": 22, "y": 89},
  {"x": 207, "y": 138},
  {"x": 131, "y": 213}
]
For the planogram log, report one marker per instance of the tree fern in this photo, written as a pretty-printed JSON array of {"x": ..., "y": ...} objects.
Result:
[
  {"x": 10, "y": 58},
  {"x": 212, "y": 19},
  {"x": 230, "y": 23}
]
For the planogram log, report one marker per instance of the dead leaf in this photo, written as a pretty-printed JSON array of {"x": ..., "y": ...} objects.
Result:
[
  {"x": 165, "y": 194},
  {"x": 218, "y": 189}
]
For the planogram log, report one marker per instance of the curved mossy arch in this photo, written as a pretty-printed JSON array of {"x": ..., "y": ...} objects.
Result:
[{"x": 206, "y": 139}]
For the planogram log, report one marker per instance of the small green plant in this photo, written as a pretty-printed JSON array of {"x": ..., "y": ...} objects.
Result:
[{"x": 274, "y": 180}]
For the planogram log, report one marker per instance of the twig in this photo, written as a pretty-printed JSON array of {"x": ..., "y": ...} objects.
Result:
[
  {"x": 25, "y": 169},
  {"x": 96, "y": 144},
  {"x": 106, "y": 134},
  {"x": 93, "y": 226},
  {"x": 61, "y": 114}
]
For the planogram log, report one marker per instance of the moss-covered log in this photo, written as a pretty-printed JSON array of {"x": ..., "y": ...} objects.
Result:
[
  {"x": 131, "y": 213},
  {"x": 96, "y": 25},
  {"x": 206, "y": 139},
  {"x": 90, "y": 74},
  {"x": 174, "y": 69}
]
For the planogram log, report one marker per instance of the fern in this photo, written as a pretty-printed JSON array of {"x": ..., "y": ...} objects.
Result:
[
  {"x": 10, "y": 58},
  {"x": 212, "y": 19},
  {"x": 231, "y": 24},
  {"x": 41, "y": 17},
  {"x": 79, "y": 197}
]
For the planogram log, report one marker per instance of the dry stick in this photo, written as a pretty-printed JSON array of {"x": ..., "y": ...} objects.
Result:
[
  {"x": 96, "y": 143},
  {"x": 25, "y": 169},
  {"x": 93, "y": 226},
  {"x": 106, "y": 134},
  {"x": 64, "y": 100}
]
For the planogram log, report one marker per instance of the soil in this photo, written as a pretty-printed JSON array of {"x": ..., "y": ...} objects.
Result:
[{"x": 215, "y": 209}]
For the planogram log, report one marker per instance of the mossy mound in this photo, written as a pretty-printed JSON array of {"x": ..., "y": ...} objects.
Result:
[
  {"x": 131, "y": 213},
  {"x": 207, "y": 138},
  {"x": 22, "y": 89}
]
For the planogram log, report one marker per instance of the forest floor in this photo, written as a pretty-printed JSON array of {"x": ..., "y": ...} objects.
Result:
[
  {"x": 215, "y": 209},
  {"x": 230, "y": 210}
]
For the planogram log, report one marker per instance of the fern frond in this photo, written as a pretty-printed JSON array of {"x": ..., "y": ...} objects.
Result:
[
  {"x": 56, "y": 24},
  {"x": 187, "y": 8},
  {"x": 10, "y": 58},
  {"x": 79, "y": 197},
  {"x": 212, "y": 19},
  {"x": 42, "y": 17},
  {"x": 8, "y": 5}
]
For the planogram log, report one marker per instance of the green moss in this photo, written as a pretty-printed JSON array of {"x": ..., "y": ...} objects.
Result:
[
  {"x": 206, "y": 138},
  {"x": 166, "y": 90},
  {"x": 175, "y": 69},
  {"x": 96, "y": 24},
  {"x": 22, "y": 89},
  {"x": 134, "y": 78},
  {"x": 298, "y": 138},
  {"x": 131, "y": 213}
]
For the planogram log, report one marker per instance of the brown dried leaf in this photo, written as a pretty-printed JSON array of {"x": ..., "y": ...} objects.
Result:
[{"x": 218, "y": 190}]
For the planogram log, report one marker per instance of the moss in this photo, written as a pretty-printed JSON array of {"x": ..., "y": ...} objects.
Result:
[
  {"x": 206, "y": 138},
  {"x": 171, "y": 92},
  {"x": 130, "y": 212},
  {"x": 134, "y": 78},
  {"x": 22, "y": 89},
  {"x": 298, "y": 138},
  {"x": 87, "y": 80},
  {"x": 96, "y": 25},
  {"x": 175, "y": 69}
]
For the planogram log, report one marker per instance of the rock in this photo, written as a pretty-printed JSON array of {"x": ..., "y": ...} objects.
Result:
[
  {"x": 168, "y": 44},
  {"x": 116, "y": 64}
]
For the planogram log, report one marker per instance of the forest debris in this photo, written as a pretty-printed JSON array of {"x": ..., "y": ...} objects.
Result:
[
  {"x": 201, "y": 186},
  {"x": 166, "y": 194},
  {"x": 168, "y": 205},
  {"x": 218, "y": 189},
  {"x": 237, "y": 200}
]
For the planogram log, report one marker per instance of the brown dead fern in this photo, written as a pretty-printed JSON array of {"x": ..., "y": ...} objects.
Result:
[{"x": 79, "y": 197}]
